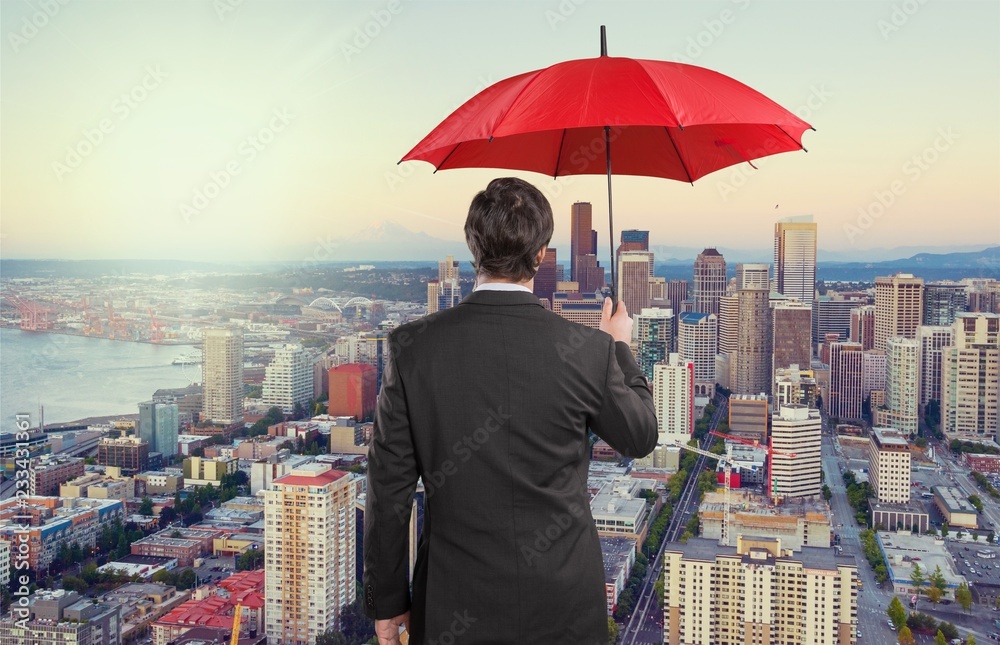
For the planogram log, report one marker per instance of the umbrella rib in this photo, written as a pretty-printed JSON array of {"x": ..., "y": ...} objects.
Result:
[
  {"x": 447, "y": 157},
  {"x": 790, "y": 137},
  {"x": 555, "y": 172},
  {"x": 678, "y": 153}
]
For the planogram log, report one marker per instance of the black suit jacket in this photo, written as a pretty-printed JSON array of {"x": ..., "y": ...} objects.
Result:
[{"x": 489, "y": 403}]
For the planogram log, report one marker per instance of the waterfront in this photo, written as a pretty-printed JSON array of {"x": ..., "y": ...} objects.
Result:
[{"x": 76, "y": 377}]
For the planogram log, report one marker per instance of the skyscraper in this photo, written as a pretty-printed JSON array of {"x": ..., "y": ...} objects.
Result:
[
  {"x": 902, "y": 358},
  {"x": 353, "y": 391},
  {"x": 796, "y": 430},
  {"x": 752, "y": 276},
  {"x": 931, "y": 340},
  {"x": 832, "y": 315},
  {"x": 448, "y": 269},
  {"x": 889, "y": 466},
  {"x": 792, "y": 334},
  {"x": 898, "y": 307},
  {"x": 654, "y": 331},
  {"x": 633, "y": 279},
  {"x": 753, "y": 343},
  {"x": 581, "y": 237},
  {"x": 158, "y": 426},
  {"x": 709, "y": 281},
  {"x": 943, "y": 301},
  {"x": 288, "y": 379},
  {"x": 677, "y": 293},
  {"x": 634, "y": 240},
  {"x": 222, "y": 375},
  {"x": 795, "y": 257},
  {"x": 591, "y": 273},
  {"x": 970, "y": 378},
  {"x": 846, "y": 381},
  {"x": 697, "y": 343},
  {"x": 673, "y": 397},
  {"x": 728, "y": 326},
  {"x": 309, "y": 553},
  {"x": 545, "y": 279},
  {"x": 873, "y": 371},
  {"x": 577, "y": 307},
  {"x": 863, "y": 326}
]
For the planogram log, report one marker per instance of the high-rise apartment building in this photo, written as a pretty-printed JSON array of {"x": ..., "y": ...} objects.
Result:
[
  {"x": 633, "y": 279},
  {"x": 943, "y": 301},
  {"x": 889, "y": 465},
  {"x": 654, "y": 331},
  {"x": 158, "y": 426},
  {"x": 970, "y": 378},
  {"x": 545, "y": 280},
  {"x": 931, "y": 340},
  {"x": 697, "y": 342},
  {"x": 753, "y": 276},
  {"x": 729, "y": 324},
  {"x": 753, "y": 343},
  {"x": 795, "y": 257},
  {"x": 581, "y": 237},
  {"x": 709, "y": 281},
  {"x": 873, "y": 368},
  {"x": 791, "y": 337},
  {"x": 673, "y": 397},
  {"x": 758, "y": 593},
  {"x": 899, "y": 307},
  {"x": 846, "y": 380},
  {"x": 222, "y": 375},
  {"x": 353, "y": 391},
  {"x": 796, "y": 430},
  {"x": 863, "y": 326},
  {"x": 902, "y": 360},
  {"x": 288, "y": 379},
  {"x": 677, "y": 293},
  {"x": 309, "y": 553}
]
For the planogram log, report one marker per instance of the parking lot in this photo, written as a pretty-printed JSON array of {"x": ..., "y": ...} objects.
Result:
[{"x": 215, "y": 568}]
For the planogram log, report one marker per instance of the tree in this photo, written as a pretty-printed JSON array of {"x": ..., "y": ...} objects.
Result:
[
  {"x": 613, "y": 631},
  {"x": 944, "y": 529},
  {"x": 896, "y": 612},
  {"x": 146, "y": 507},
  {"x": 917, "y": 577},
  {"x": 949, "y": 630},
  {"x": 934, "y": 594},
  {"x": 827, "y": 493},
  {"x": 187, "y": 579},
  {"x": 940, "y": 639},
  {"x": 977, "y": 502},
  {"x": 970, "y": 640},
  {"x": 331, "y": 638},
  {"x": 937, "y": 579},
  {"x": 72, "y": 583},
  {"x": 906, "y": 636},
  {"x": 964, "y": 597}
]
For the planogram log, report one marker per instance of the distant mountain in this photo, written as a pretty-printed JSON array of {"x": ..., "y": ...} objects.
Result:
[
  {"x": 982, "y": 259},
  {"x": 388, "y": 241},
  {"x": 686, "y": 254}
]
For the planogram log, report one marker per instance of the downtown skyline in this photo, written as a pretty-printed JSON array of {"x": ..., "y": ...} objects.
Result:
[{"x": 294, "y": 120}]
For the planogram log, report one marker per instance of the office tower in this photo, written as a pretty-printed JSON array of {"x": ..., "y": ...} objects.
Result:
[
  {"x": 792, "y": 334},
  {"x": 753, "y": 343},
  {"x": 560, "y": 273},
  {"x": 943, "y": 301},
  {"x": 581, "y": 236},
  {"x": 697, "y": 343},
  {"x": 677, "y": 293},
  {"x": 902, "y": 362},
  {"x": 970, "y": 378},
  {"x": 728, "y": 323},
  {"x": 222, "y": 375},
  {"x": 899, "y": 307},
  {"x": 863, "y": 326},
  {"x": 889, "y": 466},
  {"x": 442, "y": 295},
  {"x": 709, "y": 281},
  {"x": 931, "y": 340},
  {"x": 309, "y": 553},
  {"x": 832, "y": 315},
  {"x": 873, "y": 371},
  {"x": 448, "y": 269},
  {"x": 846, "y": 381},
  {"x": 795, "y": 385},
  {"x": 131, "y": 454},
  {"x": 634, "y": 240},
  {"x": 753, "y": 276},
  {"x": 373, "y": 349},
  {"x": 545, "y": 280},
  {"x": 633, "y": 279},
  {"x": 673, "y": 397},
  {"x": 433, "y": 290},
  {"x": 758, "y": 592},
  {"x": 353, "y": 391},
  {"x": 158, "y": 426},
  {"x": 583, "y": 308},
  {"x": 654, "y": 331},
  {"x": 658, "y": 291},
  {"x": 795, "y": 257},
  {"x": 591, "y": 273},
  {"x": 288, "y": 379},
  {"x": 748, "y": 416},
  {"x": 796, "y": 430}
]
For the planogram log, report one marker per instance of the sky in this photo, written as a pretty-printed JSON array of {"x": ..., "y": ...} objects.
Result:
[{"x": 258, "y": 129}]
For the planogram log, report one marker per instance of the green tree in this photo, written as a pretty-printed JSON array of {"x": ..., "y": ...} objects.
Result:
[
  {"x": 146, "y": 507},
  {"x": 72, "y": 583},
  {"x": 918, "y": 578},
  {"x": 187, "y": 579},
  {"x": 970, "y": 640},
  {"x": 934, "y": 594},
  {"x": 940, "y": 639},
  {"x": 963, "y": 596},
  {"x": 949, "y": 630},
  {"x": 896, "y": 612},
  {"x": 252, "y": 559},
  {"x": 977, "y": 502},
  {"x": 906, "y": 636},
  {"x": 937, "y": 579},
  {"x": 827, "y": 493},
  {"x": 331, "y": 638},
  {"x": 613, "y": 631},
  {"x": 944, "y": 529}
]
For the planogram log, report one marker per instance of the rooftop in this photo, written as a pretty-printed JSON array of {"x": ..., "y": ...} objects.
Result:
[
  {"x": 903, "y": 549},
  {"x": 953, "y": 499}
]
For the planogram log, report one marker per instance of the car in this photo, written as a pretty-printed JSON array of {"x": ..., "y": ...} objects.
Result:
[
  {"x": 966, "y": 548},
  {"x": 891, "y": 624}
]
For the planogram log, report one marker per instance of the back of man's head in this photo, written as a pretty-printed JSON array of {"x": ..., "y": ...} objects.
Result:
[{"x": 508, "y": 224}]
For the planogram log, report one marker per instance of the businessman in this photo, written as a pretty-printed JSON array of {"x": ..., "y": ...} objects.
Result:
[{"x": 489, "y": 404}]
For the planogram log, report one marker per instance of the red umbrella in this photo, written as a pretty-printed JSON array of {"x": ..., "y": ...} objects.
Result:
[{"x": 662, "y": 119}]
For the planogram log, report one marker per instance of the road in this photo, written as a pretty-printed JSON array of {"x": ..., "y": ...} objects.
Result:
[{"x": 645, "y": 625}]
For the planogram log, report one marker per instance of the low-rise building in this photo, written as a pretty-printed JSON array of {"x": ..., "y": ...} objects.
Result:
[
  {"x": 48, "y": 472},
  {"x": 619, "y": 558},
  {"x": 618, "y": 512},
  {"x": 189, "y": 543},
  {"x": 798, "y": 521},
  {"x": 903, "y": 549},
  {"x": 983, "y": 463},
  {"x": 62, "y": 617},
  {"x": 957, "y": 510},
  {"x": 160, "y": 482},
  {"x": 200, "y": 471}
]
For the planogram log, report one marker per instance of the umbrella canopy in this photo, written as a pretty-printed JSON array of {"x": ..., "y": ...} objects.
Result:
[{"x": 661, "y": 119}]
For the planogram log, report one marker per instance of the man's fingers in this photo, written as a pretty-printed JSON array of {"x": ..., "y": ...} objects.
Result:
[
  {"x": 606, "y": 312},
  {"x": 622, "y": 310}
]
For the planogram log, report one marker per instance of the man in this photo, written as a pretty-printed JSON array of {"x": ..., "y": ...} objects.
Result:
[{"x": 489, "y": 404}]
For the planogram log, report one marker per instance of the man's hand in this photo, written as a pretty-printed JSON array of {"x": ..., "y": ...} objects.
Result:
[
  {"x": 619, "y": 325},
  {"x": 387, "y": 629}
]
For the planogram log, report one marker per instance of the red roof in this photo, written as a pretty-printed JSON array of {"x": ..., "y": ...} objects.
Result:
[{"x": 319, "y": 480}]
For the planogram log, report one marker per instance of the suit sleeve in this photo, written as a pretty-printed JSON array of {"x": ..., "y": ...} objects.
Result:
[
  {"x": 627, "y": 418},
  {"x": 392, "y": 480}
]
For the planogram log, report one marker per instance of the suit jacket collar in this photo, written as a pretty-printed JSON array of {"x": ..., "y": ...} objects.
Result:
[{"x": 492, "y": 297}]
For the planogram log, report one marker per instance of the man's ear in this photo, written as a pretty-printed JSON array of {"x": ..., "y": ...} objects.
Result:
[{"x": 541, "y": 255}]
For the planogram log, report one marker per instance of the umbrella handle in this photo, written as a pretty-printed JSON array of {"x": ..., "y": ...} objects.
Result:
[{"x": 611, "y": 219}]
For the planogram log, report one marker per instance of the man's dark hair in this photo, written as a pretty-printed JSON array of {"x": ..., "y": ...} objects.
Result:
[{"x": 507, "y": 226}]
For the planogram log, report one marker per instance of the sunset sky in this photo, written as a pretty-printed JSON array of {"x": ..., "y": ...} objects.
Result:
[{"x": 114, "y": 116}]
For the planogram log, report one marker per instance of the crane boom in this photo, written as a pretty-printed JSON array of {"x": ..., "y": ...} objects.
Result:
[{"x": 237, "y": 614}]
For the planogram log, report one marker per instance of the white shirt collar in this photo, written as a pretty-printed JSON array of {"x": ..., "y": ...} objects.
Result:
[{"x": 501, "y": 286}]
